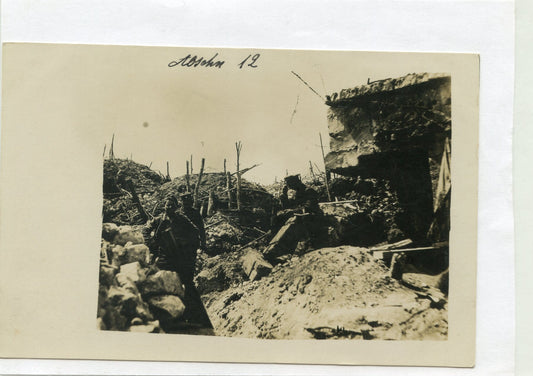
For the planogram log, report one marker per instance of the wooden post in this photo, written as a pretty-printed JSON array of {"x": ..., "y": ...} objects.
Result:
[
  {"x": 187, "y": 178},
  {"x": 150, "y": 165},
  {"x": 197, "y": 188},
  {"x": 326, "y": 177},
  {"x": 168, "y": 174},
  {"x": 224, "y": 166},
  {"x": 228, "y": 188},
  {"x": 211, "y": 203},
  {"x": 191, "y": 165},
  {"x": 105, "y": 146},
  {"x": 397, "y": 266},
  {"x": 111, "y": 153},
  {"x": 311, "y": 170},
  {"x": 238, "y": 147}
]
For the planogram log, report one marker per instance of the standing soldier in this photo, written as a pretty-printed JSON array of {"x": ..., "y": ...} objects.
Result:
[{"x": 174, "y": 238}]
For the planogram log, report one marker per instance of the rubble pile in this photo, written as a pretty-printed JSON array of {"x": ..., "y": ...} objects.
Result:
[
  {"x": 231, "y": 269},
  {"x": 134, "y": 295},
  {"x": 253, "y": 196},
  {"x": 341, "y": 292},
  {"x": 373, "y": 210},
  {"x": 227, "y": 232},
  {"x": 118, "y": 205}
]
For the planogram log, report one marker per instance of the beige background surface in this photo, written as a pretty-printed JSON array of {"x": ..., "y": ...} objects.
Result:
[{"x": 55, "y": 98}]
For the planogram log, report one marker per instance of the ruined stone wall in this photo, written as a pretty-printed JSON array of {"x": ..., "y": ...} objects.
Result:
[
  {"x": 414, "y": 116},
  {"x": 394, "y": 130}
]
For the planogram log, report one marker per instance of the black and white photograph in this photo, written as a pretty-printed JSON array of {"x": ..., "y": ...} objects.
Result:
[
  {"x": 240, "y": 204},
  {"x": 296, "y": 201}
]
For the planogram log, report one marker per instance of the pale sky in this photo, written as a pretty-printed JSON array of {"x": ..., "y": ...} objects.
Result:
[
  {"x": 101, "y": 90},
  {"x": 204, "y": 111}
]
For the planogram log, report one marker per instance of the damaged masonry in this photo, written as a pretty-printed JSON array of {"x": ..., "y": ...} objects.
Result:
[{"x": 358, "y": 251}]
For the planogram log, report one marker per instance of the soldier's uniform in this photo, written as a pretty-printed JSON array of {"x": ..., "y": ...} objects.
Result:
[
  {"x": 296, "y": 223},
  {"x": 174, "y": 239}
]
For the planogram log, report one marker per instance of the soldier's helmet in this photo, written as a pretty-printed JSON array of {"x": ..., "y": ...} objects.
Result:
[{"x": 293, "y": 181}]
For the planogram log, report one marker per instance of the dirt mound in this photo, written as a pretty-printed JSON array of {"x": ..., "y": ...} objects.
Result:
[
  {"x": 253, "y": 196},
  {"x": 117, "y": 171},
  {"x": 118, "y": 203},
  {"x": 219, "y": 273},
  {"x": 340, "y": 292}
]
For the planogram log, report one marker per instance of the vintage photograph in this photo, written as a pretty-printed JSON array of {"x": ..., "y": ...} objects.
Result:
[{"x": 278, "y": 195}]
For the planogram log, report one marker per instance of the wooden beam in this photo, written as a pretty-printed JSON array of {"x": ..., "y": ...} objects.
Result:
[
  {"x": 326, "y": 175},
  {"x": 238, "y": 147}
]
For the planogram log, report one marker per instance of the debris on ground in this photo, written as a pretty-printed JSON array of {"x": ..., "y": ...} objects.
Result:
[
  {"x": 341, "y": 292},
  {"x": 134, "y": 295}
]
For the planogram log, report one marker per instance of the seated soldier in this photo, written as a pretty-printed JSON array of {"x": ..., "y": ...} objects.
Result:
[{"x": 297, "y": 220}]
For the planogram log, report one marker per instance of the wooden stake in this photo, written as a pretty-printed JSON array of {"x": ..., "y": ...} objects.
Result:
[
  {"x": 325, "y": 168},
  {"x": 105, "y": 146},
  {"x": 238, "y": 147},
  {"x": 211, "y": 203},
  {"x": 191, "y": 165},
  {"x": 168, "y": 174},
  {"x": 228, "y": 187},
  {"x": 111, "y": 153},
  {"x": 197, "y": 188},
  {"x": 187, "y": 178},
  {"x": 224, "y": 166}
]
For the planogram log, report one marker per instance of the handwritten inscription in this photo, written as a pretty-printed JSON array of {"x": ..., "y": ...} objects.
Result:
[{"x": 194, "y": 61}]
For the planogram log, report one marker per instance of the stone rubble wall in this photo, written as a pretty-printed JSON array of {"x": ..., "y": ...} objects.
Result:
[{"x": 133, "y": 294}]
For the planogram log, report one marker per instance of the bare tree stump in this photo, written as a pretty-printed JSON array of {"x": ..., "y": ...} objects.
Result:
[
  {"x": 238, "y": 147},
  {"x": 187, "y": 178},
  {"x": 197, "y": 188},
  {"x": 211, "y": 203},
  {"x": 228, "y": 188}
]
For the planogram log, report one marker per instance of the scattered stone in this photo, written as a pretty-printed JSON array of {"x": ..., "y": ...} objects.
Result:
[
  {"x": 123, "y": 281},
  {"x": 107, "y": 274},
  {"x": 255, "y": 266},
  {"x": 151, "y": 327},
  {"x": 397, "y": 266},
  {"x": 169, "y": 304},
  {"x": 164, "y": 282},
  {"x": 127, "y": 234},
  {"x": 132, "y": 271},
  {"x": 139, "y": 252},
  {"x": 125, "y": 255},
  {"x": 109, "y": 231},
  {"x": 303, "y": 281}
]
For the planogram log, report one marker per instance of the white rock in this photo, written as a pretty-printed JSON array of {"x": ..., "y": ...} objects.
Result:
[
  {"x": 127, "y": 234},
  {"x": 132, "y": 271},
  {"x": 162, "y": 283},
  {"x": 171, "y": 304}
]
